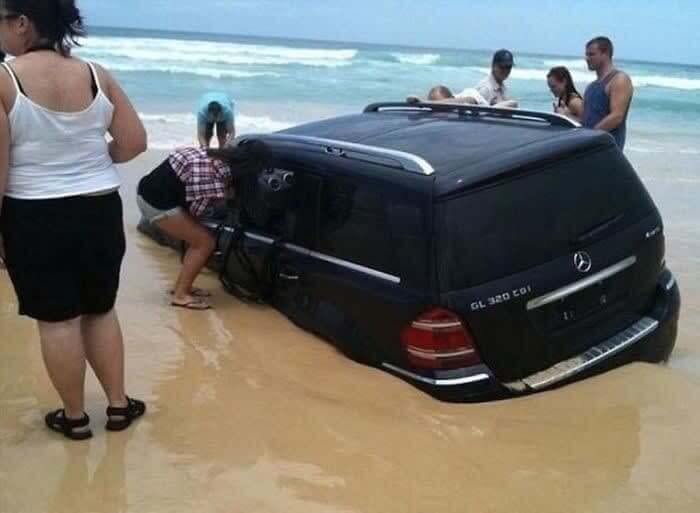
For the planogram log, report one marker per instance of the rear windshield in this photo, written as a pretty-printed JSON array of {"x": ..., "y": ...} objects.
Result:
[{"x": 508, "y": 227}]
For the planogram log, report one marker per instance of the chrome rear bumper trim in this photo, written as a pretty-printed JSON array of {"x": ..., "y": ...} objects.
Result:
[
  {"x": 578, "y": 286},
  {"x": 568, "y": 368},
  {"x": 438, "y": 382}
]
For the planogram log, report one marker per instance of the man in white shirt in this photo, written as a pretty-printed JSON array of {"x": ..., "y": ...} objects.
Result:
[{"x": 492, "y": 90}]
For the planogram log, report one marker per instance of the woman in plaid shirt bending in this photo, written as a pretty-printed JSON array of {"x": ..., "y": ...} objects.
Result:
[{"x": 180, "y": 190}]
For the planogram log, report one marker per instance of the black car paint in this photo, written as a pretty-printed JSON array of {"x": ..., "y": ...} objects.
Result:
[{"x": 363, "y": 307}]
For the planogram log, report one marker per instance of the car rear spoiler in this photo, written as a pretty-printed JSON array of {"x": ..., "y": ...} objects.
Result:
[{"x": 477, "y": 111}]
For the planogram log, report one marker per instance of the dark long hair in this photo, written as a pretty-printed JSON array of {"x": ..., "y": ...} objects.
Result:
[
  {"x": 562, "y": 74},
  {"x": 247, "y": 158},
  {"x": 58, "y": 22}
]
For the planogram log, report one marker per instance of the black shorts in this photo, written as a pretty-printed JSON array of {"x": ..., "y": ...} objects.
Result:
[{"x": 64, "y": 255}]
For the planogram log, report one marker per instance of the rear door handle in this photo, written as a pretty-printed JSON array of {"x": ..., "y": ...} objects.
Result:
[{"x": 288, "y": 275}]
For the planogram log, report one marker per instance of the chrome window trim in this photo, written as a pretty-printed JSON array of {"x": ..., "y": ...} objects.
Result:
[
  {"x": 260, "y": 238},
  {"x": 344, "y": 263},
  {"x": 580, "y": 285},
  {"x": 403, "y": 160},
  {"x": 482, "y": 376},
  {"x": 568, "y": 368},
  {"x": 320, "y": 256}
]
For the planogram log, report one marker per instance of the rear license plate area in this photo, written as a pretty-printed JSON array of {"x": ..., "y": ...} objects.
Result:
[{"x": 577, "y": 307}]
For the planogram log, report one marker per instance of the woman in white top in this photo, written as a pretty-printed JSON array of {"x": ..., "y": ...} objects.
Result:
[{"x": 61, "y": 215}]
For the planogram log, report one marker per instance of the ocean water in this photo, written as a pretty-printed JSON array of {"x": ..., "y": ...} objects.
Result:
[{"x": 277, "y": 83}]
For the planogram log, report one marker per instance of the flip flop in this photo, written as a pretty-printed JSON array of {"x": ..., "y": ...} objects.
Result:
[
  {"x": 194, "y": 304},
  {"x": 195, "y": 292}
]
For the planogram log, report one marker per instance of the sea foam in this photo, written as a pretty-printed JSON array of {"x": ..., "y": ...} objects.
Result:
[
  {"x": 585, "y": 77},
  {"x": 144, "y": 50},
  {"x": 419, "y": 59}
]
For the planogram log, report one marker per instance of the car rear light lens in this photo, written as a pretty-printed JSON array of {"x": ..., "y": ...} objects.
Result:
[{"x": 438, "y": 339}]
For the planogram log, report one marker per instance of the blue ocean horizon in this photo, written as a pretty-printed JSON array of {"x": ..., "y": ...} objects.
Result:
[{"x": 278, "y": 82}]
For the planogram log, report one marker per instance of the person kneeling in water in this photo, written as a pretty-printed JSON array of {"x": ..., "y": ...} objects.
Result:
[{"x": 181, "y": 190}]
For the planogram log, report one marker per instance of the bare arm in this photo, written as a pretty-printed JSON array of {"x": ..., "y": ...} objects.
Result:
[
  {"x": 229, "y": 136},
  {"x": 202, "y": 136},
  {"x": 459, "y": 100},
  {"x": 576, "y": 108},
  {"x": 4, "y": 149},
  {"x": 128, "y": 134},
  {"x": 507, "y": 104},
  {"x": 4, "y": 163},
  {"x": 572, "y": 111},
  {"x": 620, "y": 93}
]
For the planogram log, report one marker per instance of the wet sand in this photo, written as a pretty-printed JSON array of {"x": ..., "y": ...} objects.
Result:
[{"x": 248, "y": 413}]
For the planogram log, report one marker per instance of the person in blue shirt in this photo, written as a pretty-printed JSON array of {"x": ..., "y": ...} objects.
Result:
[{"x": 215, "y": 109}]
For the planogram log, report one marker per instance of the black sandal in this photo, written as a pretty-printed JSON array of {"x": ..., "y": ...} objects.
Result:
[
  {"x": 57, "y": 421},
  {"x": 133, "y": 410}
]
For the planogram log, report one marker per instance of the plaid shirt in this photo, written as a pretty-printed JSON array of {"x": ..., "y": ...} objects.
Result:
[{"x": 205, "y": 179}]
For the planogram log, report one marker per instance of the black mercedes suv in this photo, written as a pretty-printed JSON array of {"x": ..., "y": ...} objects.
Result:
[{"x": 475, "y": 252}]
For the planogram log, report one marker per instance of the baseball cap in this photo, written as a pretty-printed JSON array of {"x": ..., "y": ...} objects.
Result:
[{"x": 503, "y": 58}]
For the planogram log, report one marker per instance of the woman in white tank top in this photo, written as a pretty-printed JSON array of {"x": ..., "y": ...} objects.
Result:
[{"x": 60, "y": 212}]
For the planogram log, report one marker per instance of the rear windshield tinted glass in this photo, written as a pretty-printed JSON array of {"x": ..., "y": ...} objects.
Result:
[{"x": 508, "y": 227}]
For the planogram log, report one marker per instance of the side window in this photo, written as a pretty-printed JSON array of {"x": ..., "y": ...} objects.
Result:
[
  {"x": 301, "y": 221},
  {"x": 290, "y": 213},
  {"x": 354, "y": 224}
]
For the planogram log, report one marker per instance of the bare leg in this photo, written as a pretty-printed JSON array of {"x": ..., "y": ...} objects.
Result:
[
  {"x": 200, "y": 246},
  {"x": 221, "y": 134},
  {"x": 64, "y": 357},
  {"x": 104, "y": 349},
  {"x": 204, "y": 135}
]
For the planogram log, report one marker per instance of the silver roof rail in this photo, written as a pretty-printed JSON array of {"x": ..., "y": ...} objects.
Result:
[
  {"x": 477, "y": 111},
  {"x": 383, "y": 156}
]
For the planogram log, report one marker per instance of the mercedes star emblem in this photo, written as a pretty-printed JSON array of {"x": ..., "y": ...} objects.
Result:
[{"x": 583, "y": 262}]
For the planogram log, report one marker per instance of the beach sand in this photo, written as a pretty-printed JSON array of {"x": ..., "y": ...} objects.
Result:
[{"x": 248, "y": 413}]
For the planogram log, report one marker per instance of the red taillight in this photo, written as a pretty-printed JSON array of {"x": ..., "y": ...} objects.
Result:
[{"x": 437, "y": 339}]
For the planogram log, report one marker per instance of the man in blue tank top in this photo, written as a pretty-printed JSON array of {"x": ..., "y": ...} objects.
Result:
[{"x": 606, "y": 101}]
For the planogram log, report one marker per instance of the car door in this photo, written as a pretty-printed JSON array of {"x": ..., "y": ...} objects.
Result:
[
  {"x": 356, "y": 288},
  {"x": 292, "y": 263}
]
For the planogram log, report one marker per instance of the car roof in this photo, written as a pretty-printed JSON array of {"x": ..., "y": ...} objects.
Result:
[{"x": 462, "y": 150}]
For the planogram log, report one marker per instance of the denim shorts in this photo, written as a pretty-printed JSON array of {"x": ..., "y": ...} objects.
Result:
[{"x": 151, "y": 213}]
